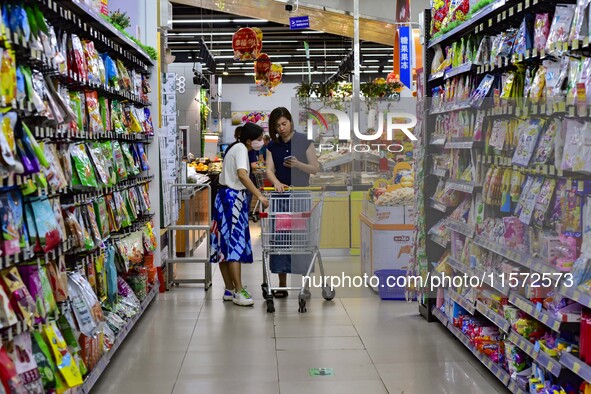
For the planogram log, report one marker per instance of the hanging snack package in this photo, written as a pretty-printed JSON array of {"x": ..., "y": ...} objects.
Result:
[
  {"x": 95, "y": 122},
  {"x": 19, "y": 295},
  {"x": 143, "y": 157},
  {"x": 11, "y": 212},
  {"x": 26, "y": 365},
  {"x": 560, "y": 29},
  {"x": 580, "y": 23},
  {"x": 31, "y": 279},
  {"x": 134, "y": 123},
  {"x": 116, "y": 121},
  {"x": 78, "y": 62},
  {"x": 92, "y": 222},
  {"x": 88, "y": 240},
  {"x": 111, "y": 72},
  {"x": 130, "y": 164},
  {"x": 111, "y": 272},
  {"x": 86, "y": 321},
  {"x": 83, "y": 166},
  {"x": 31, "y": 228},
  {"x": 9, "y": 378},
  {"x": 7, "y": 315},
  {"x": 58, "y": 278},
  {"x": 59, "y": 217},
  {"x": 148, "y": 125},
  {"x": 91, "y": 55},
  {"x": 119, "y": 160},
  {"x": 483, "y": 53},
  {"x": 477, "y": 98},
  {"x": 528, "y": 138},
  {"x": 507, "y": 42},
  {"x": 124, "y": 79},
  {"x": 524, "y": 38},
  {"x": 100, "y": 163},
  {"x": 114, "y": 217},
  {"x": 89, "y": 296},
  {"x": 71, "y": 342},
  {"x": 101, "y": 277},
  {"x": 7, "y": 75},
  {"x": 100, "y": 212},
  {"x": 76, "y": 105},
  {"x": 47, "y": 227},
  {"x": 538, "y": 84},
  {"x": 109, "y": 163},
  {"x": 574, "y": 75},
  {"x": 75, "y": 231},
  {"x": 545, "y": 150},
  {"x": 9, "y": 122},
  {"x": 63, "y": 359},
  {"x": 54, "y": 173},
  {"x": 48, "y": 297},
  {"x": 439, "y": 10},
  {"x": 49, "y": 376}
]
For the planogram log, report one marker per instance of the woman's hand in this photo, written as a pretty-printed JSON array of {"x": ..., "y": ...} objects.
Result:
[
  {"x": 264, "y": 201},
  {"x": 292, "y": 163},
  {"x": 280, "y": 187}
]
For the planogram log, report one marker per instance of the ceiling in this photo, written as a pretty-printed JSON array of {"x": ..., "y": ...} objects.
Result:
[{"x": 284, "y": 46}]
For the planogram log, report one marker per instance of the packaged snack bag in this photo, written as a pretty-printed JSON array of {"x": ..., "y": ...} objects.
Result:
[
  {"x": 26, "y": 365},
  {"x": 66, "y": 364}
]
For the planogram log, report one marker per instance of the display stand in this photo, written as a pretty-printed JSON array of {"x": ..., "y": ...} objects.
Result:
[{"x": 463, "y": 244}]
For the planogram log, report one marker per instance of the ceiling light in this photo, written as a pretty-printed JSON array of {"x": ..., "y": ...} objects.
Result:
[
  {"x": 371, "y": 61},
  {"x": 312, "y": 32},
  {"x": 225, "y": 72},
  {"x": 250, "y": 21},
  {"x": 377, "y": 49},
  {"x": 202, "y": 21}
]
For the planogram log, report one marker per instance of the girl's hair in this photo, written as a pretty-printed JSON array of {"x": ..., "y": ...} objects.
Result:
[
  {"x": 249, "y": 131},
  {"x": 237, "y": 132},
  {"x": 276, "y": 114}
]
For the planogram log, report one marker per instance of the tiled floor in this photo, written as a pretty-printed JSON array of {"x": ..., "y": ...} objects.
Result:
[{"x": 189, "y": 341}]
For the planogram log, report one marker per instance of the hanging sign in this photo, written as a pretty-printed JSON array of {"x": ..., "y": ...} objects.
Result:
[
  {"x": 262, "y": 67},
  {"x": 405, "y": 55},
  {"x": 244, "y": 43},
  {"x": 299, "y": 22}
]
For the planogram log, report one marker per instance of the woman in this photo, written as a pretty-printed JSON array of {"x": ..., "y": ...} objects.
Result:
[
  {"x": 230, "y": 235},
  {"x": 291, "y": 158}
]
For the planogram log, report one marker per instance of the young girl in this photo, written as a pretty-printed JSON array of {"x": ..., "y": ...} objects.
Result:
[{"x": 230, "y": 235}]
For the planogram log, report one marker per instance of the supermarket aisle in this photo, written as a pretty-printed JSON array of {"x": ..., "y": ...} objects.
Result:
[{"x": 189, "y": 341}]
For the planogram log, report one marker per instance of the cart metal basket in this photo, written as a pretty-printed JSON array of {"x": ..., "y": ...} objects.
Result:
[{"x": 291, "y": 227}]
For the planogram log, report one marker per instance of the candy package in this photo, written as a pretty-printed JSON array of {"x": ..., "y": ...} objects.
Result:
[
  {"x": 100, "y": 211},
  {"x": 31, "y": 279},
  {"x": 7, "y": 315},
  {"x": 119, "y": 160},
  {"x": 538, "y": 84},
  {"x": 148, "y": 125},
  {"x": 83, "y": 166},
  {"x": 58, "y": 278},
  {"x": 48, "y": 231},
  {"x": 73, "y": 227},
  {"x": 545, "y": 150},
  {"x": 573, "y": 157},
  {"x": 541, "y": 31},
  {"x": 25, "y": 364},
  {"x": 63, "y": 359},
  {"x": 71, "y": 342},
  {"x": 529, "y": 132},
  {"x": 543, "y": 202},
  {"x": 101, "y": 277},
  {"x": 9, "y": 378},
  {"x": 100, "y": 163},
  {"x": 116, "y": 121},
  {"x": 19, "y": 295},
  {"x": 439, "y": 10},
  {"x": 92, "y": 57},
  {"x": 84, "y": 316},
  {"x": 78, "y": 61},
  {"x": 95, "y": 122},
  {"x": 11, "y": 211},
  {"x": 580, "y": 23},
  {"x": 47, "y": 369},
  {"x": 477, "y": 98},
  {"x": 92, "y": 224},
  {"x": 560, "y": 29},
  {"x": 53, "y": 173},
  {"x": 130, "y": 164}
]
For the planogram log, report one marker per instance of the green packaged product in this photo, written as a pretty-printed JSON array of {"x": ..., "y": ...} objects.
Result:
[
  {"x": 82, "y": 165},
  {"x": 119, "y": 160}
]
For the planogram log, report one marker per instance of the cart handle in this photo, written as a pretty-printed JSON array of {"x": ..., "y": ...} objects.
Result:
[{"x": 295, "y": 188}]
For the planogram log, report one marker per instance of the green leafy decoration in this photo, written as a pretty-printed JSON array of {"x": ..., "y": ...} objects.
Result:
[{"x": 151, "y": 51}]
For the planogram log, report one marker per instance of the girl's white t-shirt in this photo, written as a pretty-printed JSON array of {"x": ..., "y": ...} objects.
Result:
[{"x": 235, "y": 159}]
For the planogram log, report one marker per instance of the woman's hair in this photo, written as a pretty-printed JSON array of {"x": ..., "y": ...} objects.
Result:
[
  {"x": 276, "y": 114},
  {"x": 266, "y": 138},
  {"x": 237, "y": 132},
  {"x": 249, "y": 131}
]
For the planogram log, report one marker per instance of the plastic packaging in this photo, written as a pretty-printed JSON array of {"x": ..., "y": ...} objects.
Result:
[
  {"x": 47, "y": 227},
  {"x": 560, "y": 29},
  {"x": 26, "y": 365},
  {"x": 64, "y": 360}
]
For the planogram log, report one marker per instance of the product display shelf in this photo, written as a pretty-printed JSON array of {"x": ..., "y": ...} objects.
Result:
[
  {"x": 493, "y": 316},
  {"x": 441, "y": 317},
  {"x": 439, "y": 172},
  {"x": 536, "y": 354},
  {"x": 579, "y": 367},
  {"x": 460, "y": 227},
  {"x": 462, "y": 143},
  {"x": 90, "y": 21},
  {"x": 496, "y": 370},
  {"x": 579, "y": 295},
  {"x": 91, "y": 380},
  {"x": 515, "y": 389},
  {"x": 462, "y": 301},
  {"x": 461, "y": 336},
  {"x": 452, "y": 107},
  {"x": 458, "y": 266},
  {"x": 520, "y": 258},
  {"x": 344, "y": 159},
  {"x": 535, "y": 311},
  {"x": 459, "y": 70},
  {"x": 438, "y": 206},
  {"x": 437, "y": 140},
  {"x": 462, "y": 186}
]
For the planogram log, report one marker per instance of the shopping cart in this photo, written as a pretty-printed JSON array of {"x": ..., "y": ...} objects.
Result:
[
  {"x": 291, "y": 227},
  {"x": 262, "y": 182}
]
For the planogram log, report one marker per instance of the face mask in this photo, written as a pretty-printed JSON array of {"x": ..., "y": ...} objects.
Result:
[{"x": 257, "y": 145}]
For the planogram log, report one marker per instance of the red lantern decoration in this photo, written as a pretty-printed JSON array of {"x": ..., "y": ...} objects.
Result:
[
  {"x": 392, "y": 78},
  {"x": 262, "y": 66},
  {"x": 244, "y": 44},
  {"x": 259, "y": 34}
]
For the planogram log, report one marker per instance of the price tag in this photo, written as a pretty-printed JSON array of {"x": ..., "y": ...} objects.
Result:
[
  {"x": 539, "y": 307},
  {"x": 565, "y": 46},
  {"x": 575, "y": 45},
  {"x": 511, "y": 11},
  {"x": 542, "y": 53},
  {"x": 504, "y": 15},
  {"x": 499, "y": 18},
  {"x": 576, "y": 367},
  {"x": 519, "y": 7},
  {"x": 537, "y": 347},
  {"x": 527, "y": 3}
]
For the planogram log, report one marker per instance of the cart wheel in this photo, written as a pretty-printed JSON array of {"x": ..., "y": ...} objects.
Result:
[
  {"x": 255, "y": 217},
  {"x": 270, "y": 306},
  {"x": 265, "y": 288},
  {"x": 302, "y": 308},
  {"x": 328, "y": 294}
]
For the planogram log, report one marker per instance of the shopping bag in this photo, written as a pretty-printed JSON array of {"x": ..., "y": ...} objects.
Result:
[{"x": 291, "y": 222}]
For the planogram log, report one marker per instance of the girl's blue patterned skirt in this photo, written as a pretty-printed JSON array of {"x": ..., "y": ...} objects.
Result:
[{"x": 230, "y": 235}]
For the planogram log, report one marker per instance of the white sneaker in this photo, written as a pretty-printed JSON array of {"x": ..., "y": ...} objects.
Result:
[
  {"x": 228, "y": 295},
  {"x": 243, "y": 298}
]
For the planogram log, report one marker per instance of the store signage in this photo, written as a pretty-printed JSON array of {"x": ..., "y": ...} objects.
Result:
[
  {"x": 405, "y": 55},
  {"x": 299, "y": 22}
]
